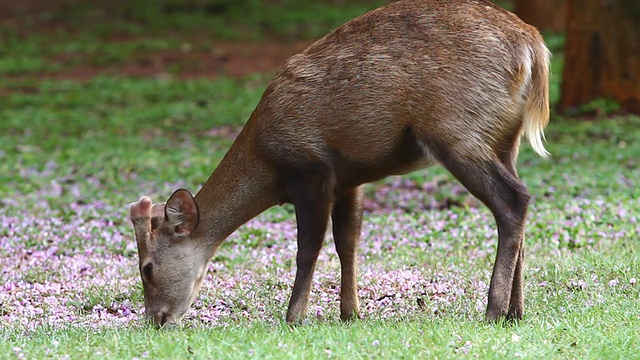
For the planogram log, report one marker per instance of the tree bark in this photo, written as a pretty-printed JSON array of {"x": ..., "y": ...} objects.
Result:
[
  {"x": 543, "y": 14},
  {"x": 602, "y": 53}
]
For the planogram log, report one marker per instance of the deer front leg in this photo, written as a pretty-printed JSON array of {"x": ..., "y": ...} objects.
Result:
[
  {"x": 347, "y": 221},
  {"x": 312, "y": 213}
]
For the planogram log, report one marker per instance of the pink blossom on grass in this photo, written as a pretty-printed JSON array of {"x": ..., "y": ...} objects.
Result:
[{"x": 77, "y": 266}]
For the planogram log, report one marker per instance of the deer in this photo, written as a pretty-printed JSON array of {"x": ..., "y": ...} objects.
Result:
[{"x": 405, "y": 86}]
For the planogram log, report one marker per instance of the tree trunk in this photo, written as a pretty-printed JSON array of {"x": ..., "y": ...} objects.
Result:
[
  {"x": 543, "y": 14},
  {"x": 603, "y": 53}
]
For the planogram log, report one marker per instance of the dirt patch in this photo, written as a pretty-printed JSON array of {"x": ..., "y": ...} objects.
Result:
[
  {"x": 221, "y": 58},
  {"x": 225, "y": 59}
]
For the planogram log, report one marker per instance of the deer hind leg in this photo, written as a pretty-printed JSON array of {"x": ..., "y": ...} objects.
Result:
[
  {"x": 312, "y": 206},
  {"x": 516, "y": 303},
  {"x": 347, "y": 221},
  {"x": 495, "y": 184}
]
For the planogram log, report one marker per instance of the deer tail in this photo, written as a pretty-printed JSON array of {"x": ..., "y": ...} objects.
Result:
[{"x": 536, "y": 111}]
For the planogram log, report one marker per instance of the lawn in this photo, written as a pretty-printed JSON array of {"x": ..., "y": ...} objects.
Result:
[{"x": 75, "y": 152}]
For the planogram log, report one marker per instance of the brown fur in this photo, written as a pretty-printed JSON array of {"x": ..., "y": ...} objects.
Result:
[{"x": 397, "y": 89}]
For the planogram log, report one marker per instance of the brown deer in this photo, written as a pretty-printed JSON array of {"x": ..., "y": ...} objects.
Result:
[{"x": 417, "y": 82}]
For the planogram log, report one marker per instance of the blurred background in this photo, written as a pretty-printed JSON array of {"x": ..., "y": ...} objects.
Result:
[{"x": 596, "y": 43}]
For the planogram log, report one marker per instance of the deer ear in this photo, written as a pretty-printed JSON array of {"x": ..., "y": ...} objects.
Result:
[{"x": 181, "y": 213}]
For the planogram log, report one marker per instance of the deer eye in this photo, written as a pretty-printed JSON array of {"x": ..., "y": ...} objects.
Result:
[{"x": 147, "y": 271}]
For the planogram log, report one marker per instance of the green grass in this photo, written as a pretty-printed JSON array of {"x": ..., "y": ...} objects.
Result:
[
  {"x": 124, "y": 125},
  {"x": 64, "y": 144},
  {"x": 231, "y": 19},
  {"x": 566, "y": 337},
  {"x": 558, "y": 330}
]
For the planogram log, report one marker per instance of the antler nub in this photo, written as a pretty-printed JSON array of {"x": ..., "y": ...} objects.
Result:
[
  {"x": 140, "y": 209},
  {"x": 140, "y": 216}
]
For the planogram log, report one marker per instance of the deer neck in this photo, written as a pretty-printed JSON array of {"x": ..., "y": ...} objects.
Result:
[{"x": 241, "y": 187}]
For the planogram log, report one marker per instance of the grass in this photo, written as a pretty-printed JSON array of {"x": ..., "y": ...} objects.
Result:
[
  {"x": 246, "y": 19},
  {"x": 402, "y": 338},
  {"x": 84, "y": 35},
  {"x": 74, "y": 154}
]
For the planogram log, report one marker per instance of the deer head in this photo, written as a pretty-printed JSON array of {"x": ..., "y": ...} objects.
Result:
[{"x": 172, "y": 265}]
